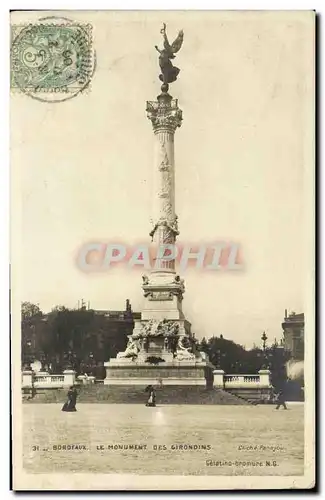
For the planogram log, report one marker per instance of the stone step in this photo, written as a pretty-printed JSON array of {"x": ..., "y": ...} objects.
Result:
[{"x": 194, "y": 395}]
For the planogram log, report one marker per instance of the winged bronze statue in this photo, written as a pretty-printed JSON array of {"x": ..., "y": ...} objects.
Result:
[{"x": 169, "y": 72}]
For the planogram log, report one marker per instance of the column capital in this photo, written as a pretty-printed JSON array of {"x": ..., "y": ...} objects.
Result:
[{"x": 164, "y": 113}]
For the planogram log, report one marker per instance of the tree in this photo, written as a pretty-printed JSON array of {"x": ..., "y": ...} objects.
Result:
[
  {"x": 31, "y": 331},
  {"x": 72, "y": 336},
  {"x": 30, "y": 311},
  {"x": 203, "y": 346},
  {"x": 226, "y": 354},
  {"x": 57, "y": 309},
  {"x": 277, "y": 360},
  {"x": 231, "y": 357}
]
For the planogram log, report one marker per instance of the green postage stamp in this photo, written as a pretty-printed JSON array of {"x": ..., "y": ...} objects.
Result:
[{"x": 50, "y": 58}]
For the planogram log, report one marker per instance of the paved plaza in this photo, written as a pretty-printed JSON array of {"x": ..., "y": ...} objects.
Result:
[{"x": 180, "y": 439}]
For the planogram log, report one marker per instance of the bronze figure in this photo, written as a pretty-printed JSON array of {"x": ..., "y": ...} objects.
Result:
[{"x": 169, "y": 72}]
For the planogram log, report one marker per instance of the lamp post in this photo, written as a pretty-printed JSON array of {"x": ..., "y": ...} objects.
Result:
[
  {"x": 28, "y": 355},
  {"x": 91, "y": 362},
  {"x": 264, "y": 339}
]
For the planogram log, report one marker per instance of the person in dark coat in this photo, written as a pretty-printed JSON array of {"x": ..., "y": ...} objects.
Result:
[
  {"x": 152, "y": 396},
  {"x": 281, "y": 401},
  {"x": 70, "y": 405}
]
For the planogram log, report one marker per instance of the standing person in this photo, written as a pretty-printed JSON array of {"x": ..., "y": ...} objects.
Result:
[
  {"x": 271, "y": 395},
  {"x": 70, "y": 405},
  {"x": 152, "y": 396},
  {"x": 281, "y": 401}
]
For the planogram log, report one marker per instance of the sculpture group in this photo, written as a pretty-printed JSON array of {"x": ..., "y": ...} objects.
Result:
[{"x": 179, "y": 345}]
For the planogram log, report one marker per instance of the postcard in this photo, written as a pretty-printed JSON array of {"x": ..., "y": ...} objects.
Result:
[{"x": 162, "y": 250}]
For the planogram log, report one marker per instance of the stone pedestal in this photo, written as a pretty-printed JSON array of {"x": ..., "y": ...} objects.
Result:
[
  {"x": 167, "y": 373},
  {"x": 265, "y": 378},
  {"x": 156, "y": 364},
  {"x": 27, "y": 378},
  {"x": 218, "y": 380},
  {"x": 69, "y": 377}
]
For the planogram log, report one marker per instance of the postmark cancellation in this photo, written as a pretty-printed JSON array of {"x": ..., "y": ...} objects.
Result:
[{"x": 51, "y": 60}]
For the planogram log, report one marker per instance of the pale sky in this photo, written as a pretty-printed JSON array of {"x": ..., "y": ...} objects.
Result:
[{"x": 84, "y": 166}]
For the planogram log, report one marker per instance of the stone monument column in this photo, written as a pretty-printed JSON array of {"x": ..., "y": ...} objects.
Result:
[
  {"x": 163, "y": 289},
  {"x": 165, "y": 117},
  {"x": 162, "y": 347}
]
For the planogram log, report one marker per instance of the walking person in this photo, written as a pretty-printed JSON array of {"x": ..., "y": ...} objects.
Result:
[
  {"x": 152, "y": 396},
  {"x": 281, "y": 401},
  {"x": 70, "y": 404}
]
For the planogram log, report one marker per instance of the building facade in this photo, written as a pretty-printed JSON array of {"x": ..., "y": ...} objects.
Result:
[{"x": 294, "y": 334}]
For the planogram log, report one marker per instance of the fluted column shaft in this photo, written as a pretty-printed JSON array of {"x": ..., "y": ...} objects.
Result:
[{"x": 165, "y": 117}]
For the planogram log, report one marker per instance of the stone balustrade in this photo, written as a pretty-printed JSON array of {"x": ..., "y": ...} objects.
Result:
[
  {"x": 260, "y": 380},
  {"x": 44, "y": 380},
  {"x": 241, "y": 379},
  {"x": 40, "y": 380}
]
